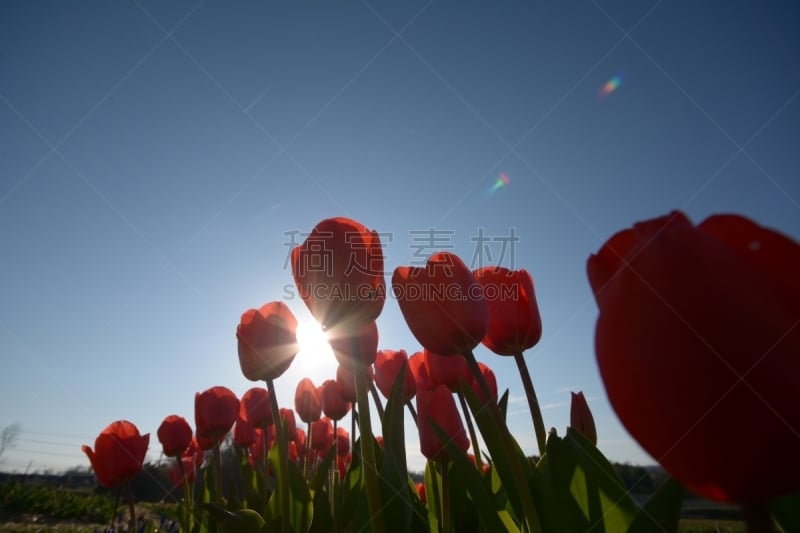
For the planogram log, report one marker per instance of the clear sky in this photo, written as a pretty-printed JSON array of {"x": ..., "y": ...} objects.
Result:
[{"x": 158, "y": 158}]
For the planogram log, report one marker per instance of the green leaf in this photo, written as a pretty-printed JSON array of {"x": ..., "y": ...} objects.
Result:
[
  {"x": 662, "y": 512},
  {"x": 242, "y": 521},
  {"x": 578, "y": 489},
  {"x": 507, "y": 457},
  {"x": 419, "y": 515},
  {"x": 323, "y": 519},
  {"x": 301, "y": 507},
  {"x": 321, "y": 475},
  {"x": 464, "y": 477},
  {"x": 502, "y": 403},
  {"x": 353, "y": 511},
  {"x": 393, "y": 479},
  {"x": 786, "y": 511},
  {"x": 433, "y": 486}
]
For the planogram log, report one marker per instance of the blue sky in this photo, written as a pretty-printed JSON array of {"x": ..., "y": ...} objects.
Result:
[{"x": 156, "y": 159}]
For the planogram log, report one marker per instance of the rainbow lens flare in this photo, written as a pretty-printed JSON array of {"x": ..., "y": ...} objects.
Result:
[
  {"x": 609, "y": 87},
  {"x": 502, "y": 181}
]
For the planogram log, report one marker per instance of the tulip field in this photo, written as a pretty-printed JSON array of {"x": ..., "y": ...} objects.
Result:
[{"x": 697, "y": 341}]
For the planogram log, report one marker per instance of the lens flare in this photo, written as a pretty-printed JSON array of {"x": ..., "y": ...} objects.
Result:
[
  {"x": 502, "y": 181},
  {"x": 609, "y": 87}
]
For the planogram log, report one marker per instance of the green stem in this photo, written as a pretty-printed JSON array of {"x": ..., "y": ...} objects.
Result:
[
  {"x": 376, "y": 399},
  {"x": 335, "y": 445},
  {"x": 217, "y": 463},
  {"x": 131, "y": 507},
  {"x": 283, "y": 458},
  {"x": 116, "y": 507},
  {"x": 517, "y": 470},
  {"x": 307, "y": 457},
  {"x": 353, "y": 421},
  {"x": 533, "y": 403},
  {"x": 447, "y": 525},
  {"x": 757, "y": 519},
  {"x": 472, "y": 435},
  {"x": 367, "y": 446},
  {"x": 434, "y": 501},
  {"x": 187, "y": 496},
  {"x": 333, "y": 478}
]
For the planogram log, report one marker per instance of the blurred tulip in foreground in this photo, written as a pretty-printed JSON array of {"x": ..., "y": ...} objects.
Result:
[{"x": 697, "y": 344}]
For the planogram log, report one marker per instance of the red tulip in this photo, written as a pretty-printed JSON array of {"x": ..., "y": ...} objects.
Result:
[
  {"x": 421, "y": 491},
  {"x": 447, "y": 370},
  {"x": 580, "y": 417},
  {"x": 419, "y": 369},
  {"x": 270, "y": 435},
  {"x": 342, "y": 441},
  {"x": 244, "y": 433},
  {"x": 300, "y": 442},
  {"x": 195, "y": 452},
  {"x": 342, "y": 462},
  {"x": 255, "y": 407},
  {"x": 342, "y": 339},
  {"x": 438, "y": 406},
  {"x": 697, "y": 344},
  {"x": 205, "y": 443},
  {"x": 289, "y": 422},
  {"x": 514, "y": 322},
  {"x": 322, "y": 435},
  {"x": 388, "y": 364},
  {"x": 339, "y": 273},
  {"x": 491, "y": 381},
  {"x": 442, "y": 304},
  {"x": 267, "y": 341},
  {"x": 215, "y": 411},
  {"x": 257, "y": 451},
  {"x": 346, "y": 382},
  {"x": 175, "y": 473},
  {"x": 118, "y": 453},
  {"x": 307, "y": 401},
  {"x": 175, "y": 435},
  {"x": 333, "y": 405}
]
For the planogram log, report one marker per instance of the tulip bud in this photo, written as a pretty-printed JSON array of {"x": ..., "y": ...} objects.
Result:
[
  {"x": 438, "y": 406},
  {"x": 442, "y": 303},
  {"x": 255, "y": 407},
  {"x": 388, "y": 364},
  {"x": 580, "y": 417},
  {"x": 267, "y": 341},
  {"x": 244, "y": 434},
  {"x": 343, "y": 259},
  {"x": 346, "y": 340},
  {"x": 307, "y": 401},
  {"x": 175, "y": 435},
  {"x": 215, "y": 411},
  {"x": 333, "y": 405}
]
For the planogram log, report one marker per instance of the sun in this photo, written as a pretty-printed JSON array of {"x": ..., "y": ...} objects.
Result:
[
  {"x": 315, "y": 357},
  {"x": 311, "y": 338}
]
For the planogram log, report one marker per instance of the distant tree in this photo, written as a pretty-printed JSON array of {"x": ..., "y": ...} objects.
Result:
[{"x": 8, "y": 437}]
